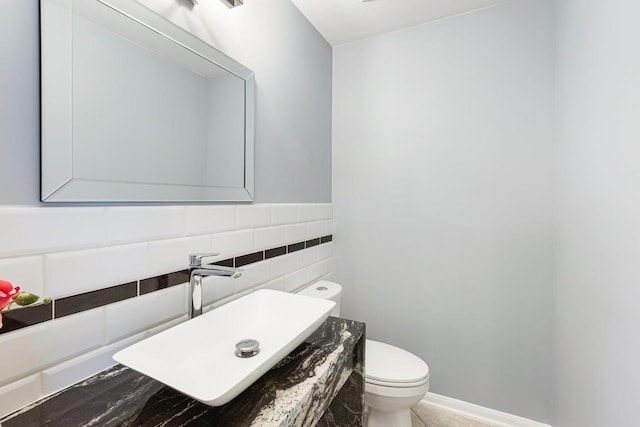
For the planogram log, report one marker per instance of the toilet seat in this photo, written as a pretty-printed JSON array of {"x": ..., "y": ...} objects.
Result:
[
  {"x": 395, "y": 392},
  {"x": 397, "y": 385},
  {"x": 389, "y": 366}
]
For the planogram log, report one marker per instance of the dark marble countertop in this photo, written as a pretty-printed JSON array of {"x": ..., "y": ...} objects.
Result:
[{"x": 296, "y": 392}]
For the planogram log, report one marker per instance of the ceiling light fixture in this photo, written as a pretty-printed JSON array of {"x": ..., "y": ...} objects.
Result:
[
  {"x": 230, "y": 3},
  {"x": 233, "y": 3}
]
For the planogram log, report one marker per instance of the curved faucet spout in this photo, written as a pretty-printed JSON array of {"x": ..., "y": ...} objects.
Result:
[
  {"x": 196, "y": 272},
  {"x": 216, "y": 270}
]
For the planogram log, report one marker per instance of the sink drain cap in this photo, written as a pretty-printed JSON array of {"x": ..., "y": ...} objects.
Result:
[{"x": 247, "y": 348}]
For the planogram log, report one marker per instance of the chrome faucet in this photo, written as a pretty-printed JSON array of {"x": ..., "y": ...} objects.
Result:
[{"x": 196, "y": 272}]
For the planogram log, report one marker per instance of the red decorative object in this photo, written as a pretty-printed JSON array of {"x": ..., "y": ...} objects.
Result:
[{"x": 7, "y": 292}]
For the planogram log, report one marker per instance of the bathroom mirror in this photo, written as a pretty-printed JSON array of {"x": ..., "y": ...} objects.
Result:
[{"x": 135, "y": 109}]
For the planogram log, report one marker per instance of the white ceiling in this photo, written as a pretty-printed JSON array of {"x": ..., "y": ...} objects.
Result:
[{"x": 343, "y": 21}]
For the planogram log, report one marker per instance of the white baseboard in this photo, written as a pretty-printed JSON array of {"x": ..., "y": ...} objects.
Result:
[{"x": 478, "y": 413}]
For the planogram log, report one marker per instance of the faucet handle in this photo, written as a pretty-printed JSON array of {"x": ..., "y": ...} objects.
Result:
[{"x": 195, "y": 260}]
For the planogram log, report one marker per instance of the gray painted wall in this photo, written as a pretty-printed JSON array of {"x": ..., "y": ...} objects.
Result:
[
  {"x": 292, "y": 63},
  {"x": 597, "y": 295},
  {"x": 442, "y": 170},
  {"x": 19, "y": 103}
]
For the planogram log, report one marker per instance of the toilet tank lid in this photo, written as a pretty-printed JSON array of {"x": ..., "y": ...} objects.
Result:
[
  {"x": 384, "y": 362},
  {"x": 322, "y": 289}
]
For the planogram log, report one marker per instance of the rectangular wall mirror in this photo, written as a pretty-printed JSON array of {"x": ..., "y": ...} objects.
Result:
[{"x": 135, "y": 109}]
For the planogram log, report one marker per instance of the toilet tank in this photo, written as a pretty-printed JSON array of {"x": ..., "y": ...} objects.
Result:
[{"x": 324, "y": 289}]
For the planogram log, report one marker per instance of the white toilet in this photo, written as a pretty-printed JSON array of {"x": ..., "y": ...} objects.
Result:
[{"x": 395, "y": 379}]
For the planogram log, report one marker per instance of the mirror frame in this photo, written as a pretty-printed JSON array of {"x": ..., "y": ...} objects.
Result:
[{"x": 56, "y": 160}]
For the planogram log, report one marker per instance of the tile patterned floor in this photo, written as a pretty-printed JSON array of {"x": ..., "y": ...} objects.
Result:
[{"x": 429, "y": 416}]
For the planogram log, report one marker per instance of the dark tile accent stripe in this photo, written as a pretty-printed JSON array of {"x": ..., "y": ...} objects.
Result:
[
  {"x": 164, "y": 281},
  {"x": 295, "y": 247},
  {"x": 311, "y": 243},
  {"x": 272, "y": 253},
  {"x": 225, "y": 262},
  {"x": 93, "y": 299},
  {"x": 20, "y": 318},
  {"x": 249, "y": 259}
]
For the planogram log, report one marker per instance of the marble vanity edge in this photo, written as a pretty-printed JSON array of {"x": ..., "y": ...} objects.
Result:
[
  {"x": 296, "y": 392},
  {"x": 307, "y": 400},
  {"x": 29, "y": 316},
  {"x": 317, "y": 407}
]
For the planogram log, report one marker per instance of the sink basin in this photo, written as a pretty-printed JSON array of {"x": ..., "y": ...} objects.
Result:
[{"x": 198, "y": 357}]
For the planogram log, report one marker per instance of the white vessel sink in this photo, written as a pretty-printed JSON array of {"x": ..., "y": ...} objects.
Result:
[{"x": 198, "y": 357}]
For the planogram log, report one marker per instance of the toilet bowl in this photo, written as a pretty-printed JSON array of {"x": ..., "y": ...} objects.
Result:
[{"x": 395, "y": 379}]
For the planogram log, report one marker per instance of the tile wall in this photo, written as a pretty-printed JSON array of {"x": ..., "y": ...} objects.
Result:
[{"x": 136, "y": 256}]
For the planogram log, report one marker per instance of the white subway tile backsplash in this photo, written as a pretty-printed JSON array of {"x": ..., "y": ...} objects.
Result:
[
  {"x": 68, "y": 373},
  {"x": 166, "y": 256},
  {"x": 253, "y": 275},
  {"x": 144, "y": 312},
  {"x": 26, "y": 272},
  {"x": 207, "y": 308},
  {"x": 268, "y": 237},
  {"x": 314, "y": 272},
  {"x": 253, "y": 216},
  {"x": 276, "y": 285},
  {"x": 307, "y": 257},
  {"x": 325, "y": 250},
  {"x": 284, "y": 214},
  {"x": 319, "y": 269},
  {"x": 328, "y": 227},
  {"x": 331, "y": 277},
  {"x": 39, "y": 346},
  {"x": 229, "y": 244},
  {"x": 210, "y": 219},
  {"x": 283, "y": 265},
  {"x": 39, "y": 230},
  {"x": 315, "y": 229},
  {"x": 331, "y": 265},
  {"x": 20, "y": 393},
  {"x": 325, "y": 211},
  {"x": 142, "y": 223},
  {"x": 217, "y": 288},
  {"x": 307, "y": 212},
  {"x": 295, "y": 280},
  {"x": 166, "y": 325},
  {"x": 226, "y": 300},
  {"x": 69, "y": 273},
  {"x": 295, "y": 233}
]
